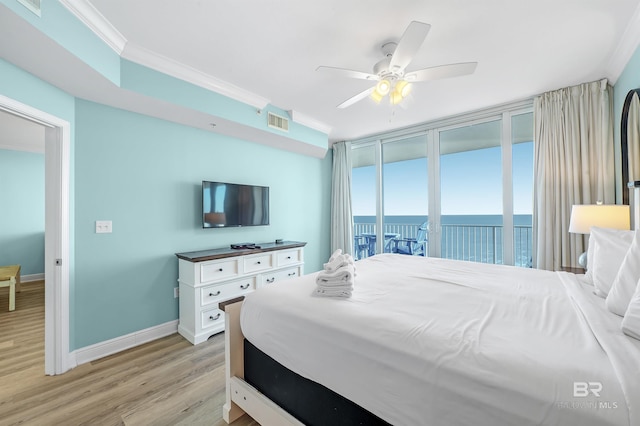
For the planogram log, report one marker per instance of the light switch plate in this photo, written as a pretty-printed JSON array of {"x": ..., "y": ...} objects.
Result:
[{"x": 104, "y": 227}]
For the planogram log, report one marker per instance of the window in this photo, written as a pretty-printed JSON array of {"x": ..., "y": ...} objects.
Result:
[
  {"x": 471, "y": 219},
  {"x": 363, "y": 199},
  {"x": 471, "y": 180}
]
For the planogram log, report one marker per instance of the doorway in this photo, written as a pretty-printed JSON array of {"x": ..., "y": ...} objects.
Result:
[{"x": 58, "y": 358}]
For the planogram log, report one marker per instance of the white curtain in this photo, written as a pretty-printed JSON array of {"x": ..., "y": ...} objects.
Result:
[
  {"x": 341, "y": 217},
  {"x": 573, "y": 164}
]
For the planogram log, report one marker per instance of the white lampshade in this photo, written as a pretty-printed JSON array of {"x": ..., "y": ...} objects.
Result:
[{"x": 584, "y": 216}]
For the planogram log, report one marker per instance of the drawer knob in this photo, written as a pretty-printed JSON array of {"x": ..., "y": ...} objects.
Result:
[
  {"x": 220, "y": 270},
  {"x": 244, "y": 286},
  {"x": 288, "y": 257},
  {"x": 217, "y": 293},
  {"x": 291, "y": 274},
  {"x": 258, "y": 262},
  {"x": 212, "y": 318},
  {"x": 270, "y": 280}
]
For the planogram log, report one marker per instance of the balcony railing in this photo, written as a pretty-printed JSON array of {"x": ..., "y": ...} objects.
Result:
[{"x": 479, "y": 243}]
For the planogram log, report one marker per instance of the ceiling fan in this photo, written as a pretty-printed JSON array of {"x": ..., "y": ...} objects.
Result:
[{"x": 390, "y": 72}]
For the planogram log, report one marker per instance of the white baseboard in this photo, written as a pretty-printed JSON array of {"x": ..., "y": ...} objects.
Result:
[
  {"x": 118, "y": 344},
  {"x": 32, "y": 277}
]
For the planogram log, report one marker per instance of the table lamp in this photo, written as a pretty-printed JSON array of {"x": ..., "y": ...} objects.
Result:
[{"x": 584, "y": 216}]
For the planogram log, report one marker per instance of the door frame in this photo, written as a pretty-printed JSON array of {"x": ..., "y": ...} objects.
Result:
[{"x": 57, "y": 356}]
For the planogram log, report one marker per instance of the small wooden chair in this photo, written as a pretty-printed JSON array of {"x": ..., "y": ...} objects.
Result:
[
  {"x": 413, "y": 246},
  {"x": 10, "y": 277},
  {"x": 360, "y": 247}
]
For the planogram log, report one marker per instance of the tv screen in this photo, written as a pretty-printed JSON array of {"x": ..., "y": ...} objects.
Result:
[{"x": 231, "y": 204}]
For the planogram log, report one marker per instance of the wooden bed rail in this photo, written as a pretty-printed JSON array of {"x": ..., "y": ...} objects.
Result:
[{"x": 241, "y": 397}]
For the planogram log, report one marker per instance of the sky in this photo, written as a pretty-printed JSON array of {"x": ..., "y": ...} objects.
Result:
[{"x": 471, "y": 184}]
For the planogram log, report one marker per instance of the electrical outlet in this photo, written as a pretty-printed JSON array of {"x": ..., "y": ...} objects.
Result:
[
  {"x": 176, "y": 292},
  {"x": 104, "y": 227}
]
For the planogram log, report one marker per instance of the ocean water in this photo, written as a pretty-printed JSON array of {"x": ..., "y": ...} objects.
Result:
[
  {"x": 476, "y": 238},
  {"x": 518, "y": 219}
]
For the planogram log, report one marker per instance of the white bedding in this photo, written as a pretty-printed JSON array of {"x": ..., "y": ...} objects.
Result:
[{"x": 427, "y": 341}]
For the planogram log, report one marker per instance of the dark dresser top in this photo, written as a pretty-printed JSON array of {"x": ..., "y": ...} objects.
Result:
[{"x": 221, "y": 253}]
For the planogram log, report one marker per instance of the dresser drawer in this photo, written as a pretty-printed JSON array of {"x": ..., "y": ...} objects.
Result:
[
  {"x": 221, "y": 292},
  {"x": 288, "y": 257},
  {"x": 258, "y": 263},
  {"x": 270, "y": 278},
  {"x": 219, "y": 270},
  {"x": 212, "y": 317}
]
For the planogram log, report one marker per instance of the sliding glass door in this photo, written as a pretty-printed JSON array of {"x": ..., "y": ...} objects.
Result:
[
  {"x": 471, "y": 210},
  {"x": 405, "y": 189},
  {"x": 462, "y": 191},
  {"x": 364, "y": 199}
]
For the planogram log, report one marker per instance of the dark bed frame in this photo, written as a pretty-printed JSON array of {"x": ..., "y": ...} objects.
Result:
[{"x": 306, "y": 400}]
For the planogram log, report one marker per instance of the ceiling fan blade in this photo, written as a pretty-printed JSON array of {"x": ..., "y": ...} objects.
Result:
[
  {"x": 343, "y": 72},
  {"x": 408, "y": 45},
  {"x": 441, "y": 71},
  {"x": 352, "y": 100}
]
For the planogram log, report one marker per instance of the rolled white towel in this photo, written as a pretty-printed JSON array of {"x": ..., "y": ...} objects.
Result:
[
  {"x": 330, "y": 288},
  {"x": 338, "y": 262},
  {"x": 319, "y": 291},
  {"x": 335, "y": 254},
  {"x": 341, "y": 276}
]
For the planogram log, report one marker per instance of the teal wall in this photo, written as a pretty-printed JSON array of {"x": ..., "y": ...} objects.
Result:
[
  {"x": 145, "y": 174},
  {"x": 629, "y": 79},
  {"x": 22, "y": 212}
]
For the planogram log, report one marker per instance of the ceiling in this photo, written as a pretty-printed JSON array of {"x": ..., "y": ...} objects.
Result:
[{"x": 271, "y": 48}]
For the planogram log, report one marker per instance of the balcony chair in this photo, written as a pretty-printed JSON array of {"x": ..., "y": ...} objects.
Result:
[
  {"x": 413, "y": 246},
  {"x": 360, "y": 247}
]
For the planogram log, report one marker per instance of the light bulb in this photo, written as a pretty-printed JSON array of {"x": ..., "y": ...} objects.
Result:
[
  {"x": 403, "y": 87},
  {"x": 377, "y": 97},
  {"x": 383, "y": 87},
  {"x": 395, "y": 97}
]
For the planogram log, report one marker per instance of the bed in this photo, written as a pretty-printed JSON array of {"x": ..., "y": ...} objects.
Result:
[{"x": 440, "y": 342}]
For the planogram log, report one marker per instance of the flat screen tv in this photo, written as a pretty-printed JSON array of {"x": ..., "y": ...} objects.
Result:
[{"x": 231, "y": 204}]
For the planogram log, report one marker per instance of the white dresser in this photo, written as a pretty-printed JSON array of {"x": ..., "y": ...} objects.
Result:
[{"x": 209, "y": 277}]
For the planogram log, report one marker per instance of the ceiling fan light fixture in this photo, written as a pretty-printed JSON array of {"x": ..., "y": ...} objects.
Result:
[
  {"x": 403, "y": 87},
  {"x": 400, "y": 91},
  {"x": 377, "y": 97},
  {"x": 395, "y": 98},
  {"x": 383, "y": 87}
]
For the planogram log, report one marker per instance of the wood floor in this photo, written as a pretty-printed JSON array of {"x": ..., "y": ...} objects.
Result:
[{"x": 165, "y": 382}]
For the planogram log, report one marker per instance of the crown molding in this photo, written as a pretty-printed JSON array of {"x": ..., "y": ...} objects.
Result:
[
  {"x": 626, "y": 48},
  {"x": 184, "y": 72},
  {"x": 307, "y": 121},
  {"x": 96, "y": 22}
]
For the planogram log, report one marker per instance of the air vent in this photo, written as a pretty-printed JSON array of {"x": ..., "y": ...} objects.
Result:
[
  {"x": 278, "y": 122},
  {"x": 32, "y": 5}
]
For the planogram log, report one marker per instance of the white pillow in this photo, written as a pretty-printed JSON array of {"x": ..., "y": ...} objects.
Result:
[
  {"x": 631, "y": 320},
  {"x": 611, "y": 247},
  {"x": 624, "y": 285}
]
